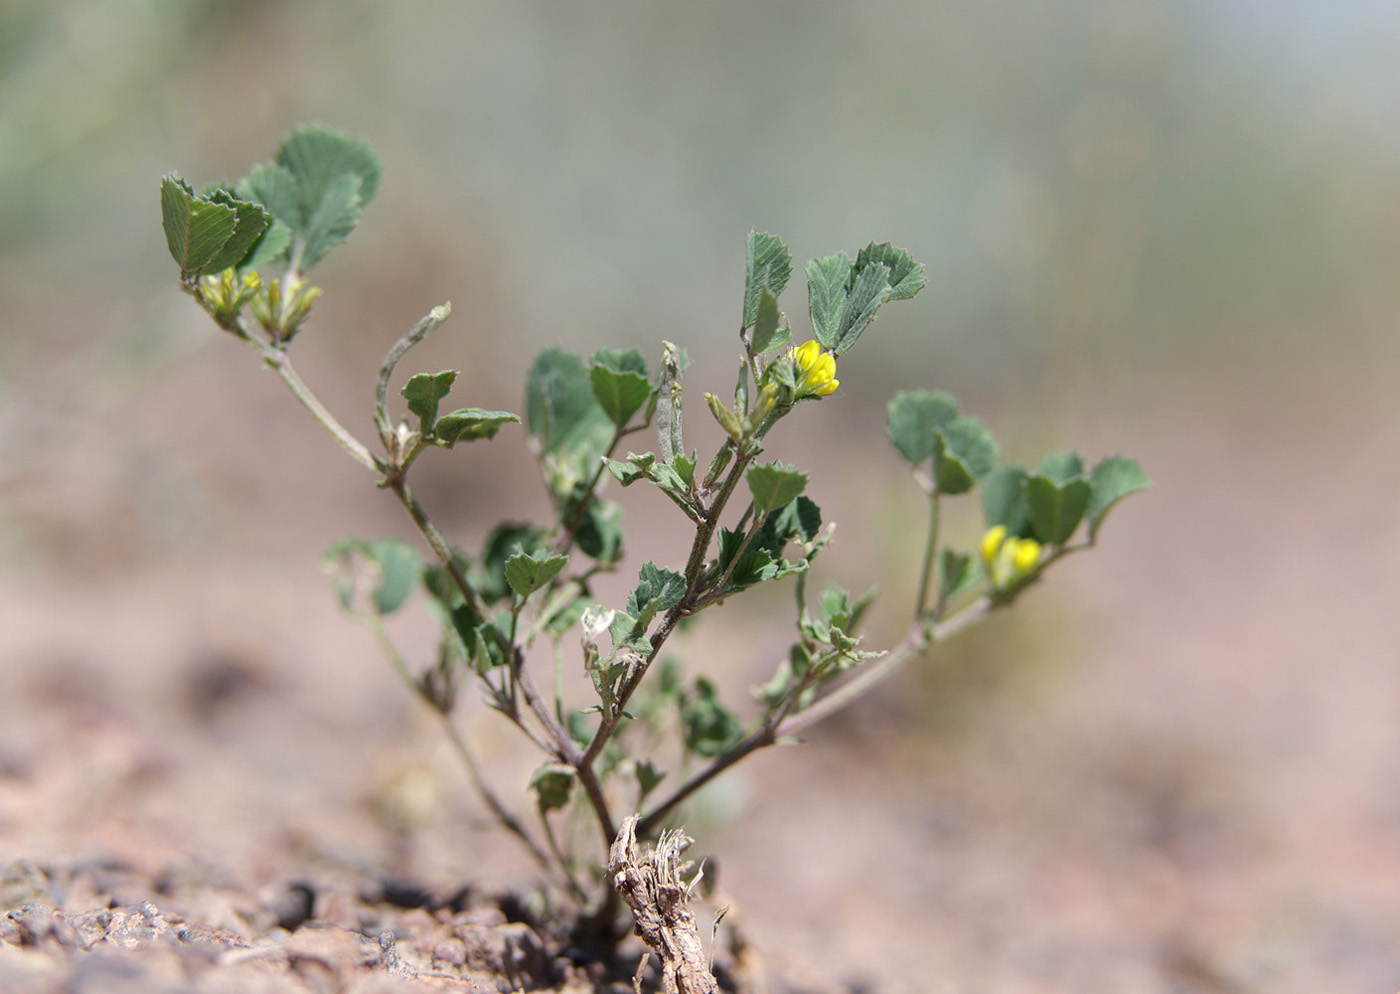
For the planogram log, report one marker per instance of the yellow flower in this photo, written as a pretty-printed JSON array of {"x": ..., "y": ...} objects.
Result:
[
  {"x": 991, "y": 543},
  {"x": 1025, "y": 554},
  {"x": 1008, "y": 559},
  {"x": 818, "y": 370}
]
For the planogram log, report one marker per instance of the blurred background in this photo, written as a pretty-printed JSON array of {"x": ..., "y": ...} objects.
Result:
[{"x": 1167, "y": 228}]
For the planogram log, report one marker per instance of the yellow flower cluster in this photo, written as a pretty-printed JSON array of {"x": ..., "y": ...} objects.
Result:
[
  {"x": 818, "y": 370},
  {"x": 1008, "y": 559}
]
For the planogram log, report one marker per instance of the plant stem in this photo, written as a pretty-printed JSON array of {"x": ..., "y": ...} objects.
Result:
[
  {"x": 930, "y": 552},
  {"x": 426, "y": 326},
  {"x": 703, "y": 534},
  {"x": 779, "y": 726},
  {"x": 915, "y": 643}
]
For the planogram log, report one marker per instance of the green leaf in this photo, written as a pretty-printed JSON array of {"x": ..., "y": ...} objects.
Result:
[
  {"x": 870, "y": 289},
  {"x": 526, "y": 573},
  {"x": 569, "y": 425},
  {"x": 423, "y": 391},
  {"x": 906, "y": 276},
  {"x": 648, "y": 776},
  {"x": 627, "y": 471},
  {"x": 767, "y": 336},
  {"x": 196, "y": 230},
  {"x": 1056, "y": 510},
  {"x": 799, "y": 521},
  {"x": 318, "y": 156},
  {"x": 620, "y": 392},
  {"x": 250, "y": 223},
  {"x": 827, "y": 280},
  {"x": 1112, "y": 479},
  {"x": 956, "y": 571},
  {"x": 769, "y": 268},
  {"x": 553, "y": 783},
  {"x": 914, "y": 416},
  {"x": 963, "y": 452},
  {"x": 708, "y": 727},
  {"x": 504, "y": 541},
  {"x": 1062, "y": 466},
  {"x": 397, "y": 565},
  {"x": 658, "y": 589},
  {"x": 629, "y": 633},
  {"x": 1004, "y": 500},
  {"x": 276, "y": 189},
  {"x": 269, "y": 248},
  {"x": 317, "y": 187},
  {"x": 469, "y": 424},
  {"x": 775, "y": 485},
  {"x": 331, "y": 220},
  {"x": 400, "y": 566},
  {"x": 560, "y": 409},
  {"x": 599, "y": 534}
]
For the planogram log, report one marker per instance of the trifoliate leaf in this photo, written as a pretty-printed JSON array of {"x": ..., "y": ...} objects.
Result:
[
  {"x": 964, "y": 451},
  {"x": 196, "y": 230},
  {"x": 1004, "y": 500},
  {"x": 423, "y": 391},
  {"x": 827, "y": 282},
  {"x": 1112, "y": 479},
  {"x": 769, "y": 267},
  {"x": 526, "y": 573},
  {"x": 320, "y": 181},
  {"x": 774, "y": 485},
  {"x": 1056, "y": 509},
  {"x": 914, "y": 416},
  {"x": 469, "y": 424},
  {"x": 906, "y": 276}
]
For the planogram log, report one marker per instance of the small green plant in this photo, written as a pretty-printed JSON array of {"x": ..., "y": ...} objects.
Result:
[{"x": 523, "y": 603}]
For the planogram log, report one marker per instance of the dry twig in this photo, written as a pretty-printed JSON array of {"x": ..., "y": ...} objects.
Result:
[{"x": 651, "y": 885}]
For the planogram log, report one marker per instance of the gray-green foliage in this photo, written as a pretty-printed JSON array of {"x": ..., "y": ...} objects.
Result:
[{"x": 748, "y": 521}]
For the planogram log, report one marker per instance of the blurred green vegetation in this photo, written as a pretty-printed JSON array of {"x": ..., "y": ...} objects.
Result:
[
  {"x": 1101, "y": 189},
  {"x": 1082, "y": 175}
]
